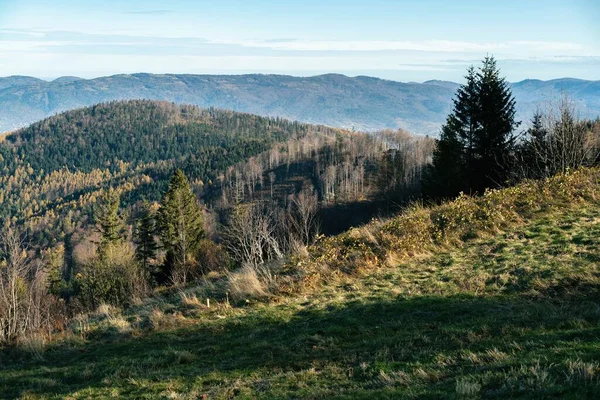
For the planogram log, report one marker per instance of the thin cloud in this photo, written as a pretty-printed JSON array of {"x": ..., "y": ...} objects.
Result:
[
  {"x": 149, "y": 12},
  {"x": 94, "y": 54},
  {"x": 433, "y": 46}
]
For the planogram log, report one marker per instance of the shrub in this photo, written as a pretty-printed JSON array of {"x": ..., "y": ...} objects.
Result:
[
  {"x": 211, "y": 257},
  {"x": 114, "y": 278}
]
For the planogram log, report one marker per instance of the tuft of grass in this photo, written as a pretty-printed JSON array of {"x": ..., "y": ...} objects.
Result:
[
  {"x": 580, "y": 372},
  {"x": 34, "y": 345},
  {"x": 190, "y": 300},
  {"x": 251, "y": 282},
  {"x": 466, "y": 388}
]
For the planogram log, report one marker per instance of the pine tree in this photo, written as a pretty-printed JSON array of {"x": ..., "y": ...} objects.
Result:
[
  {"x": 495, "y": 141},
  {"x": 532, "y": 153},
  {"x": 108, "y": 222},
  {"x": 537, "y": 132},
  {"x": 477, "y": 138},
  {"x": 444, "y": 177},
  {"x": 179, "y": 223},
  {"x": 144, "y": 236}
]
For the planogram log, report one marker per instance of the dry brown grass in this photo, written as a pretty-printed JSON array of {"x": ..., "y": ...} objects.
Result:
[
  {"x": 34, "y": 344},
  {"x": 251, "y": 281},
  {"x": 422, "y": 231}
]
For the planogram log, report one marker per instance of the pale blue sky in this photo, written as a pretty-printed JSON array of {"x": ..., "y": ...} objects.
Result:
[{"x": 400, "y": 40}]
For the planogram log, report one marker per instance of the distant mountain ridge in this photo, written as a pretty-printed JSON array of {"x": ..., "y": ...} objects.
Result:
[{"x": 362, "y": 102}]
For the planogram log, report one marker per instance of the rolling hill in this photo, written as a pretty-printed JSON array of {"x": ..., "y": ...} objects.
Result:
[
  {"x": 54, "y": 170},
  {"x": 60, "y": 164},
  {"x": 361, "y": 102}
]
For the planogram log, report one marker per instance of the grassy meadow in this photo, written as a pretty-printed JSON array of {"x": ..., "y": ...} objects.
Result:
[{"x": 496, "y": 297}]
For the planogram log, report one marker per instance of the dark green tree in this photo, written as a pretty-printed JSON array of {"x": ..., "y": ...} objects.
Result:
[
  {"x": 532, "y": 153},
  {"x": 477, "y": 138},
  {"x": 179, "y": 224},
  {"x": 495, "y": 140},
  {"x": 537, "y": 132},
  {"x": 108, "y": 221},
  {"x": 444, "y": 178},
  {"x": 454, "y": 154},
  {"x": 465, "y": 123},
  {"x": 145, "y": 229}
]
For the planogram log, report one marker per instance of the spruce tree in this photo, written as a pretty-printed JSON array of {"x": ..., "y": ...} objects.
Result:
[
  {"x": 179, "y": 223},
  {"x": 477, "y": 138},
  {"x": 444, "y": 177},
  {"x": 454, "y": 155},
  {"x": 537, "y": 132},
  {"x": 495, "y": 141},
  {"x": 108, "y": 222},
  {"x": 532, "y": 154},
  {"x": 464, "y": 122},
  {"x": 144, "y": 236}
]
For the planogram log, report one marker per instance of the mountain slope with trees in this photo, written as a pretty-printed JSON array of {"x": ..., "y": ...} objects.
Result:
[{"x": 60, "y": 165}]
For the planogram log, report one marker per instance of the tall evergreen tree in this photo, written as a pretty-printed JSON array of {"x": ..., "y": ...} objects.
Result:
[
  {"x": 179, "y": 223},
  {"x": 454, "y": 155},
  {"x": 108, "y": 221},
  {"x": 477, "y": 138},
  {"x": 144, "y": 236},
  {"x": 444, "y": 178},
  {"x": 495, "y": 141},
  {"x": 465, "y": 122}
]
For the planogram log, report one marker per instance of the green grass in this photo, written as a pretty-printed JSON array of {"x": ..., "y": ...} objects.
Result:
[{"x": 510, "y": 314}]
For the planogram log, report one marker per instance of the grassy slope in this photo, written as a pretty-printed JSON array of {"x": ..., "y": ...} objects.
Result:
[{"x": 511, "y": 313}]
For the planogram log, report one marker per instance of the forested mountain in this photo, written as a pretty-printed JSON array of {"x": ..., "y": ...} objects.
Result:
[
  {"x": 60, "y": 165},
  {"x": 361, "y": 102},
  {"x": 54, "y": 170}
]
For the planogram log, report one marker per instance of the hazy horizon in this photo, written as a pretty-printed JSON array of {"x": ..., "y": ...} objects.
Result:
[
  {"x": 400, "y": 40},
  {"x": 292, "y": 74}
]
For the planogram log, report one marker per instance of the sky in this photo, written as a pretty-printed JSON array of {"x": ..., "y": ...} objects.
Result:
[{"x": 398, "y": 40}]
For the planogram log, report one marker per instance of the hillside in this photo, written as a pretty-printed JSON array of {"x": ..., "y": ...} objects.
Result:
[
  {"x": 53, "y": 170},
  {"x": 363, "y": 103},
  {"x": 492, "y": 297}
]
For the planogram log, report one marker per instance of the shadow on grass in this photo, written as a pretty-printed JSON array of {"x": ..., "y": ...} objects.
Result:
[{"x": 392, "y": 335}]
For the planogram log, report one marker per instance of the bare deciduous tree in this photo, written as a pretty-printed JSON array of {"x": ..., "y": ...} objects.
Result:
[
  {"x": 305, "y": 206},
  {"x": 249, "y": 235},
  {"x": 272, "y": 178},
  {"x": 25, "y": 306}
]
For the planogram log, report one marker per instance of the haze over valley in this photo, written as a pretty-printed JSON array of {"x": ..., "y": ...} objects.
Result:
[{"x": 360, "y": 103}]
